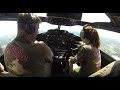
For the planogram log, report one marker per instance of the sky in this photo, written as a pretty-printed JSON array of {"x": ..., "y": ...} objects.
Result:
[
  {"x": 95, "y": 17},
  {"x": 8, "y": 28}
]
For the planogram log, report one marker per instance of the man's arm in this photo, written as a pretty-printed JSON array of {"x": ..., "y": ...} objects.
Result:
[
  {"x": 47, "y": 52},
  {"x": 1, "y": 68}
]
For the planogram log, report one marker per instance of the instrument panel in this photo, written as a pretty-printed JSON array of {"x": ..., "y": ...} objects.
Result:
[
  {"x": 62, "y": 44},
  {"x": 59, "y": 39}
]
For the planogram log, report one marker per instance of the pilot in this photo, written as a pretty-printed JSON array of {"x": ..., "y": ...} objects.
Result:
[
  {"x": 88, "y": 56},
  {"x": 24, "y": 56}
]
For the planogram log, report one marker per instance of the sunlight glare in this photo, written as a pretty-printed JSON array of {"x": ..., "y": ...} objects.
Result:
[
  {"x": 95, "y": 17},
  {"x": 41, "y": 14},
  {"x": 8, "y": 27},
  {"x": 44, "y": 27}
]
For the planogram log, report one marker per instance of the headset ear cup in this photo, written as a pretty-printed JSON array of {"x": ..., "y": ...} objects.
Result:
[
  {"x": 30, "y": 29},
  {"x": 26, "y": 28},
  {"x": 82, "y": 34}
]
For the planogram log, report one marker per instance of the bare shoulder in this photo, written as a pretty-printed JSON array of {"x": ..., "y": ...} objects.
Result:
[{"x": 87, "y": 47}]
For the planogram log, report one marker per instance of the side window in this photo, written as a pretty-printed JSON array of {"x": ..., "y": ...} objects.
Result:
[
  {"x": 8, "y": 31},
  {"x": 110, "y": 43}
]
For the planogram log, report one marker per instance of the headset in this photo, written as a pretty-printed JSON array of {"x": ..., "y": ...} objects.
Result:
[
  {"x": 82, "y": 34},
  {"x": 28, "y": 21},
  {"x": 30, "y": 26}
]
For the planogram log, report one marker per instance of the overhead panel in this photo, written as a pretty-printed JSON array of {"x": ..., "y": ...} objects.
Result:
[{"x": 67, "y": 19}]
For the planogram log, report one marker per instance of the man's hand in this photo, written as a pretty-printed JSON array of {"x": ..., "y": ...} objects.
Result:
[{"x": 1, "y": 68}]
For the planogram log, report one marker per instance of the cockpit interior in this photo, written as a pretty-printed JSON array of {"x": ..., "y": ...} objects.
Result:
[{"x": 64, "y": 43}]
